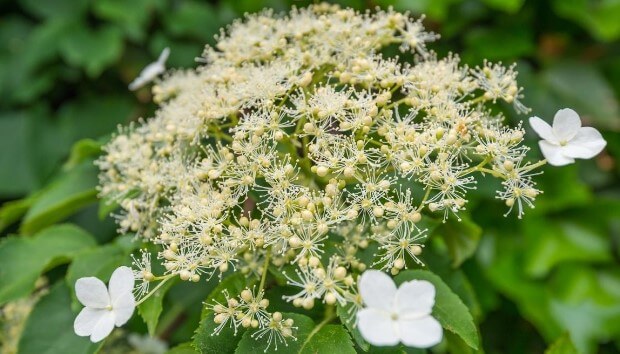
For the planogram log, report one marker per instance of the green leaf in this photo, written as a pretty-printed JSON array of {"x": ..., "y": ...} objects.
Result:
[
  {"x": 184, "y": 348},
  {"x": 550, "y": 244},
  {"x": 151, "y": 308},
  {"x": 226, "y": 341},
  {"x": 461, "y": 238},
  {"x": 328, "y": 339},
  {"x": 29, "y": 155},
  {"x": 132, "y": 19},
  {"x": 23, "y": 259},
  {"x": 14, "y": 210},
  {"x": 510, "y": 6},
  {"x": 82, "y": 150},
  {"x": 192, "y": 18},
  {"x": 449, "y": 310},
  {"x": 347, "y": 317},
  {"x": 49, "y": 328},
  {"x": 92, "y": 50},
  {"x": 490, "y": 44},
  {"x": 305, "y": 326},
  {"x": 56, "y": 8},
  {"x": 71, "y": 191},
  {"x": 562, "y": 345},
  {"x": 599, "y": 17},
  {"x": 587, "y": 91}
]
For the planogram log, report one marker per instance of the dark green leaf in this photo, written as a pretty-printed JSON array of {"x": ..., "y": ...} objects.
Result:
[
  {"x": 449, "y": 309},
  {"x": 347, "y": 317},
  {"x": 305, "y": 326},
  {"x": 226, "y": 341},
  {"x": 23, "y": 259},
  {"x": 327, "y": 339},
  {"x": 49, "y": 328}
]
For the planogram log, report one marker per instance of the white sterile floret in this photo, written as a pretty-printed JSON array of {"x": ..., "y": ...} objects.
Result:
[
  {"x": 567, "y": 140},
  {"x": 151, "y": 71},
  {"x": 105, "y": 307},
  {"x": 398, "y": 315}
]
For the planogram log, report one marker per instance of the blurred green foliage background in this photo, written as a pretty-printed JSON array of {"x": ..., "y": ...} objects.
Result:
[{"x": 64, "y": 70}]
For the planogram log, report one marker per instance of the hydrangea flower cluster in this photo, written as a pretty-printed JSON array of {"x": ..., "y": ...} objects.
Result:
[{"x": 298, "y": 144}]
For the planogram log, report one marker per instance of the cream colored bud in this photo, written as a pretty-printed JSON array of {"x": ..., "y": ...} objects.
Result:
[
  {"x": 330, "y": 298},
  {"x": 314, "y": 262},
  {"x": 184, "y": 275},
  {"x": 246, "y": 295},
  {"x": 399, "y": 263},
  {"x": 308, "y": 303},
  {"x": 294, "y": 242},
  {"x": 277, "y": 316},
  {"x": 322, "y": 171},
  {"x": 340, "y": 273},
  {"x": 416, "y": 250}
]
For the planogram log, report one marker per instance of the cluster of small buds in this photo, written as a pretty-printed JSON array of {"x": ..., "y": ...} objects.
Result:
[
  {"x": 298, "y": 144},
  {"x": 249, "y": 310}
]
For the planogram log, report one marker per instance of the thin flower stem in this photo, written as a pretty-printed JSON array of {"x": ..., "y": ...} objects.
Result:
[
  {"x": 165, "y": 279},
  {"x": 265, "y": 266}
]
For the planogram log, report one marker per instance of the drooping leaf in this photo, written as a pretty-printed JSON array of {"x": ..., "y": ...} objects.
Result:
[
  {"x": 449, "y": 309},
  {"x": 72, "y": 190},
  {"x": 23, "y": 259},
  {"x": 49, "y": 328}
]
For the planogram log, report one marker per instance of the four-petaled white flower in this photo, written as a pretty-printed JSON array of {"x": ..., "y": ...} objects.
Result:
[
  {"x": 397, "y": 315},
  {"x": 567, "y": 140},
  {"x": 151, "y": 71},
  {"x": 104, "y": 309}
]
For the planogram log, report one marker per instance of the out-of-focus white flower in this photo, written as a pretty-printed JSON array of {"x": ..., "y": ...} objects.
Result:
[
  {"x": 397, "y": 315},
  {"x": 105, "y": 308},
  {"x": 151, "y": 71},
  {"x": 567, "y": 140}
]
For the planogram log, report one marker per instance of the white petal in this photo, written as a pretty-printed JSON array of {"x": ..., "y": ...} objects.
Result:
[
  {"x": 377, "y": 327},
  {"x": 421, "y": 333},
  {"x": 553, "y": 154},
  {"x": 543, "y": 129},
  {"x": 104, "y": 326},
  {"x": 586, "y": 144},
  {"x": 566, "y": 124},
  {"x": 377, "y": 289},
  {"x": 123, "y": 308},
  {"x": 92, "y": 292},
  {"x": 121, "y": 283},
  {"x": 415, "y": 298},
  {"x": 163, "y": 56},
  {"x": 87, "y": 319},
  {"x": 148, "y": 74}
]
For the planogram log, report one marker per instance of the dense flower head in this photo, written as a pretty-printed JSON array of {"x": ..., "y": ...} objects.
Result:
[{"x": 298, "y": 144}]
